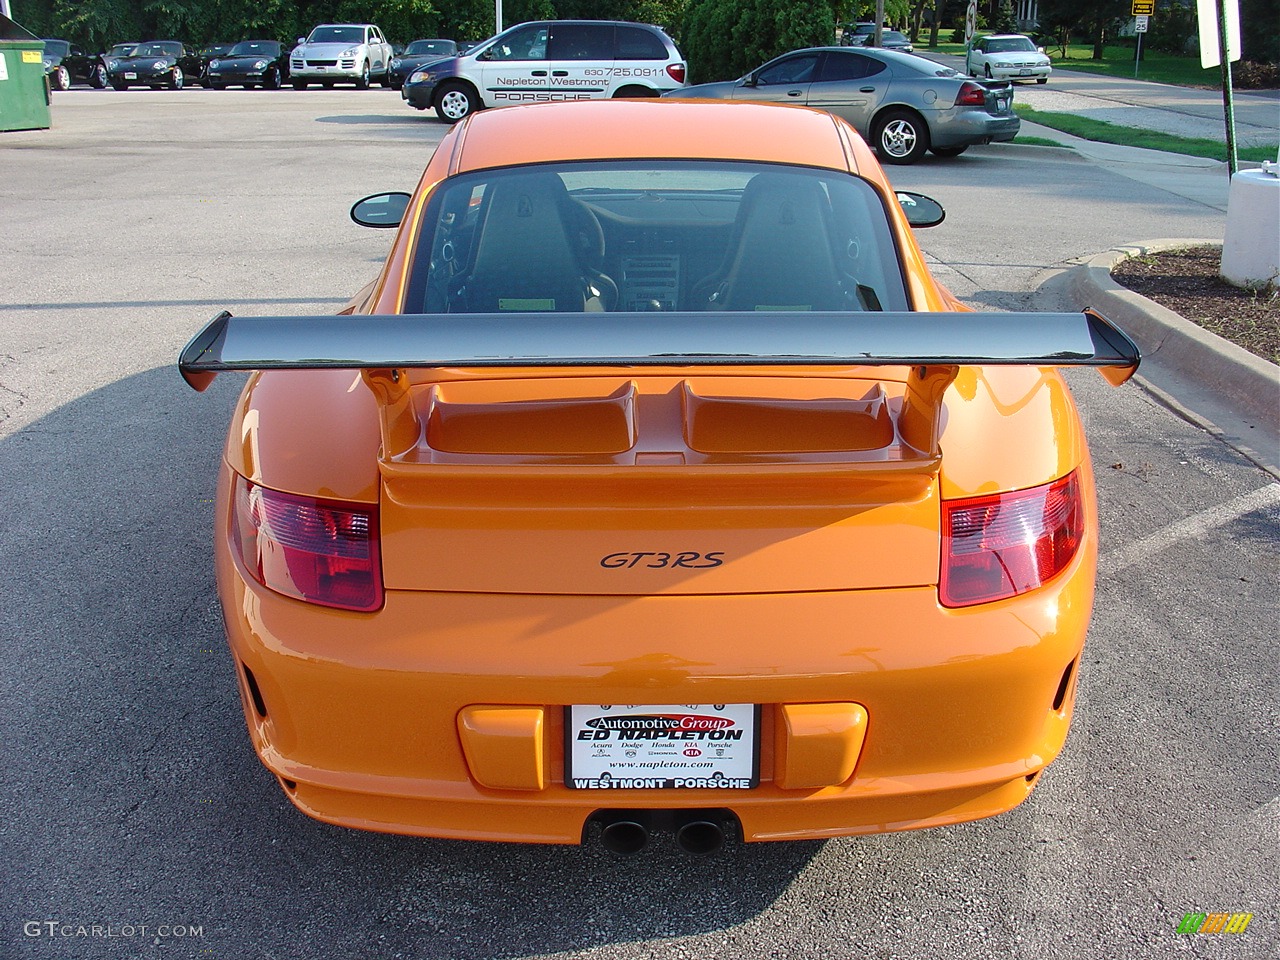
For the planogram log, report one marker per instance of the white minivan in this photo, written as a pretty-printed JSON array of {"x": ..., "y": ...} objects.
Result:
[{"x": 550, "y": 60}]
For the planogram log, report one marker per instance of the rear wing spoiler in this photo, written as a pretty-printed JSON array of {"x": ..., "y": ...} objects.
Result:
[{"x": 773, "y": 338}]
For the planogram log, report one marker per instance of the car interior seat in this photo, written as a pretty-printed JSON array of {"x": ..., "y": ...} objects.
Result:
[
  {"x": 530, "y": 250},
  {"x": 780, "y": 254}
]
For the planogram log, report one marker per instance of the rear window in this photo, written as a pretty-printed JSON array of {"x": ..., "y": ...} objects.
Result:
[
  {"x": 637, "y": 43},
  {"x": 849, "y": 66},
  {"x": 580, "y": 41},
  {"x": 655, "y": 235}
]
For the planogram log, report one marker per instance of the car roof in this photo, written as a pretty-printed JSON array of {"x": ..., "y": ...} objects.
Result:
[{"x": 655, "y": 129}]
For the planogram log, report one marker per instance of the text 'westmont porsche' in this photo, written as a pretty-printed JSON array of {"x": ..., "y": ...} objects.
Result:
[{"x": 654, "y": 482}]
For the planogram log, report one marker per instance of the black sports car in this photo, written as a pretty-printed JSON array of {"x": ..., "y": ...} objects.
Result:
[
  {"x": 251, "y": 63},
  {"x": 415, "y": 55},
  {"x": 65, "y": 64},
  {"x": 204, "y": 57},
  {"x": 156, "y": 63}
]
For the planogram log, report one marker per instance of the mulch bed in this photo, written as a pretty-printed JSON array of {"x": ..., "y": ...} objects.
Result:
[{"x": 1188, "y": 283}]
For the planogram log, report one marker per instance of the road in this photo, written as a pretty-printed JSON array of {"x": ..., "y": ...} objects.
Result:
[
  {"x": 1183, "y": 111},
  {"x": 131, "y": 797}
]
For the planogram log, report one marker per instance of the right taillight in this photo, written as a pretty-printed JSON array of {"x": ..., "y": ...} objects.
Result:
[
  {"x": 320, "y": 551},
  {"x": 1005, "y": 544},
  {"x": 676, "y": 72},
  {"x": 971, "y": 95}
]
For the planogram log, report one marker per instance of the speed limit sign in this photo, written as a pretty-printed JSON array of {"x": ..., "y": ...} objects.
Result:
[{"x": 1140, "y": 24}]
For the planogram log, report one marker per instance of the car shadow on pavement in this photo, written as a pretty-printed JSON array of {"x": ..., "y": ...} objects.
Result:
[
  {"x": 377, "y": 119},
  {"x": 140, "y": 797}
]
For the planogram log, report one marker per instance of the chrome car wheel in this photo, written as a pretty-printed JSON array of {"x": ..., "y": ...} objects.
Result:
[
  {"x": 901, "y": 138},
  {"x": 175, "y": 79},
  {"x": 61, "y": 79},
  {"x": 363, "y": 82},
  {"x": 98, "y": 80}
]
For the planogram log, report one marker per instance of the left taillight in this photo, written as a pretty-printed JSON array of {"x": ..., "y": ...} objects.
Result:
[
  {"x": 321, "y": 551},
  {"x": 971, "y": 95},
  {"x": 1005, "y": 544}
]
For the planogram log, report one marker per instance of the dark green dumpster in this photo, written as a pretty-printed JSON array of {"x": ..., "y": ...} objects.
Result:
[{"x": 24, "y": 91}]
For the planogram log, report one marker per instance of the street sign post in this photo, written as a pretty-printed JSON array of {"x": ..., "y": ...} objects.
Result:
[
  {"x": 1142, "y": 12},
  {"x": 1219, "y": 45}
]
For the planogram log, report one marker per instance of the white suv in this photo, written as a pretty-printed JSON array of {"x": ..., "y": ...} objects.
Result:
[
  {"x": 550, "y": 60},
  {"x": 341, "y": 53}
]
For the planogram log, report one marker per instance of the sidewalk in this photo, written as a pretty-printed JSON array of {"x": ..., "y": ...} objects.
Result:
[{"x": 1194, "y": 178}]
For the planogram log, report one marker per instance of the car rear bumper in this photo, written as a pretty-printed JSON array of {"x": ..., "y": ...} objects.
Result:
[
  {"x": 973, "y": 127},
  {"x": 358, "y": 714}
]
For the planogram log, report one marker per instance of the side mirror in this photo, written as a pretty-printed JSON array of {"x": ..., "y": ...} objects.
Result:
[
  {"x": 301, "y": 41},
  {"x": 381, "y": 209},
  {"x": 921, "y": 211},
  {"x": 750, "y": 80}
]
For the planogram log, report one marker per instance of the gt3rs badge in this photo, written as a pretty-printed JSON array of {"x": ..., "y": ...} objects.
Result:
[{"x": 687, "y": 559}]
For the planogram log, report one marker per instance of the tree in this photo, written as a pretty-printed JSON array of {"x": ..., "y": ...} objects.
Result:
[
  {"x": 723, "y": 39},
  {"x": 1096, "y": 18},
  {"x": 1004, "y": 21}
]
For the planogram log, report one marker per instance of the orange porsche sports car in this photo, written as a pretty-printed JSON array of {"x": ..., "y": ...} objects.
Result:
[{"x": 654, "y": 484}]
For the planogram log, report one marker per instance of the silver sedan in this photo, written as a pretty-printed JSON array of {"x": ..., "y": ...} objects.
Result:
[{"x": 903, "y": 105}]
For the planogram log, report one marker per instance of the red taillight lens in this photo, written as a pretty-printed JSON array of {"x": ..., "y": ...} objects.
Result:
[
  {"x": 1002, "y": 545},
  {"x": 971, "y": 95},
  {"x": 676, "y": 72},
  {"x": 320, "y": 551}
]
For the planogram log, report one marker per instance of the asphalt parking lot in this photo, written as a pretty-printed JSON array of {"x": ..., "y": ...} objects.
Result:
[{"x": 133, "y": 807}]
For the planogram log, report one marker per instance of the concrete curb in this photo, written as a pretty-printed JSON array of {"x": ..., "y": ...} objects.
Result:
[
  {"x": 1248, "y": 387},
  {"x": 1245, "y": 382}
]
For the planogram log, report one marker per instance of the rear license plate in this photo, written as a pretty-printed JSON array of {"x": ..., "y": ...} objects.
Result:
[
  {"x": 662, "y": 747},
  {"x": 131, "y": 76}
]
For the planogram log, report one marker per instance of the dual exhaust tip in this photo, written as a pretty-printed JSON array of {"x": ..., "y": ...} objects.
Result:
[{"x": 697, "y": 832}]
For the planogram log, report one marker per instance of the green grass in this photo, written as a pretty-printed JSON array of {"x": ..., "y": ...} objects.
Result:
[
  {"x": 1036, "y": 142},
  {"x": 1103, "y": 132},
  {"x": 1117, "y": 61}
]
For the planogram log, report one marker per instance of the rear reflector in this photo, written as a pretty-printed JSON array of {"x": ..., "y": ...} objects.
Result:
[
  {"x": 971, "y": 95},
  {"x": 1002, "y": 545},
  {"x": 320, "y": 551}
]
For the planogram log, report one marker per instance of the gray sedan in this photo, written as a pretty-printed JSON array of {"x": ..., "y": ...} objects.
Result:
[{"x": 902, "y": 104}]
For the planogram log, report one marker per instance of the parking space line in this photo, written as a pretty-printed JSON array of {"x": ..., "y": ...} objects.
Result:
[{"x": 1188, "y": 528}]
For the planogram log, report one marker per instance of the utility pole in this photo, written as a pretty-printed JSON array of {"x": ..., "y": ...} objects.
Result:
[{"x": 879, "y": 22}]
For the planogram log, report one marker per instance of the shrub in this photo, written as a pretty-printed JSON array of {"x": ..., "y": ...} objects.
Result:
[{"x": 1250, "y": 75}]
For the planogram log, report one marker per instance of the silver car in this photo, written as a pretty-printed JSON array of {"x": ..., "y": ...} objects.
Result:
[{"x": 902, "y": 105}]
